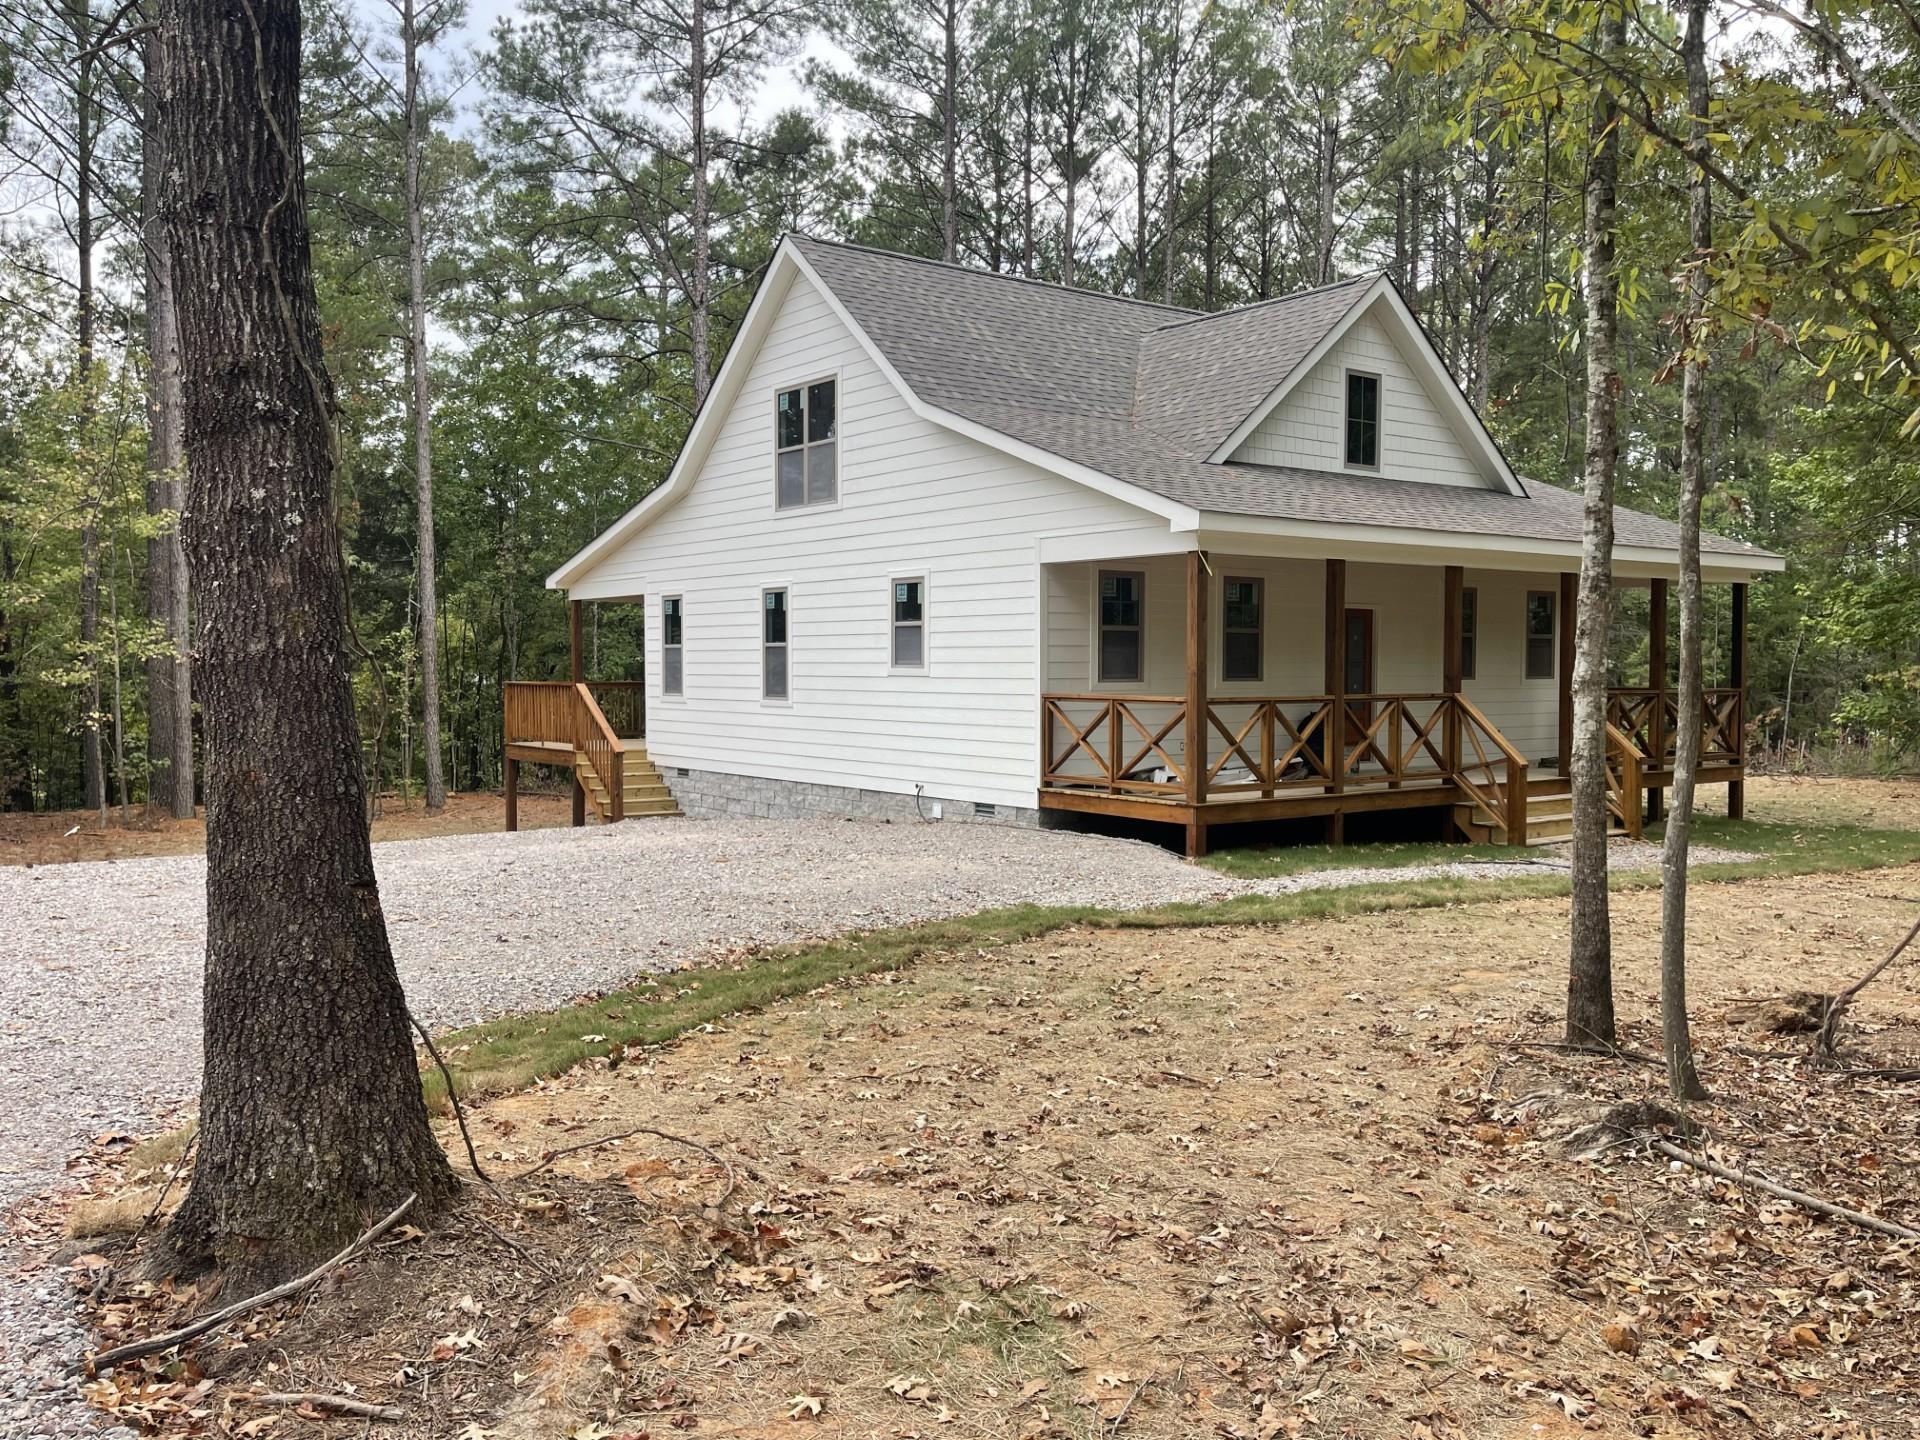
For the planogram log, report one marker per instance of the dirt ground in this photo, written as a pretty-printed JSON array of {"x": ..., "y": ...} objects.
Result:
[
  {"x": 1303, "y": 1180},
  {"x": 1825, "y": 800},
  {"x": 62, "y": 836}
]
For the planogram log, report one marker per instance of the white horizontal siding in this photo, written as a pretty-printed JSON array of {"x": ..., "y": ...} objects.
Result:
[
  {"x": 1308, "y": 428},
  {"x": 915, "y": 499},
  {"x": 1407, "y": 602}
]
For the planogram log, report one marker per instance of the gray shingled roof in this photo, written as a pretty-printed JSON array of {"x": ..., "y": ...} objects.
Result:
[{"x": 1144, "y": 393}]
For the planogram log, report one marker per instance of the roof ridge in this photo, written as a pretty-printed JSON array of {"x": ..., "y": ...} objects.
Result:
[
  {"x": 1366, "y": 278},
  {"x": 974, "y": 270}
]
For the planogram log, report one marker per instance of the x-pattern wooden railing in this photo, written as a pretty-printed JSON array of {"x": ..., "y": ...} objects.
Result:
[
  {"x": 1115, "y": 737},
  {"x": 1651, "y": 719},
  {"x": 1278, "y": 744}
]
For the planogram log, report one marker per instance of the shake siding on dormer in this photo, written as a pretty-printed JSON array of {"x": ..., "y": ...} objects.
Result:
[{"x": 1308, "y": 429}]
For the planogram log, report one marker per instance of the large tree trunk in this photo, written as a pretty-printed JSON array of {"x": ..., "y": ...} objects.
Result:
[
  {"x": 1683, "y": 1078},
  {"x": 311, "y": 1116},
  {"x": 1590, "y": 970},
  {"x": 422, "y": 424},
  {"x": 700, "y": 285},
  {"x": 169, "y": 670}
]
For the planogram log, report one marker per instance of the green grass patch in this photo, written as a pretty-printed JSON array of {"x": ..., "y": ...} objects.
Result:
[
  {"x": 514, "y": 1052},
  {"x": 1267, "y": 862}
]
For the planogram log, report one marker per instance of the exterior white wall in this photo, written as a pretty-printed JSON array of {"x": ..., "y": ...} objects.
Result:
[
  {"x": 915, "y": 499},
  {"x": 1308, "y": 428},
  {"x": 1408, "y": 605}
]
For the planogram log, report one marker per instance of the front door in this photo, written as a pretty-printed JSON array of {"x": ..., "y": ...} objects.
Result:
[{"x": 1360, "y": 661}]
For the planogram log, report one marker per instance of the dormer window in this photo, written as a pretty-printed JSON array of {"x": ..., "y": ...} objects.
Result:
[
  {"x": 805, "y": 459},
  {"x": 1363, "y": 420}
]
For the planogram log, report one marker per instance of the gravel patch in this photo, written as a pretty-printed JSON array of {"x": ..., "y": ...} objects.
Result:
[{"x": 100, "y": 963}]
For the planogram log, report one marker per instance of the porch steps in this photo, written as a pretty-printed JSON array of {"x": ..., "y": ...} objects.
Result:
[
  {"x": 642, "y": 790},
  {"x": 1549, "y": 818}
]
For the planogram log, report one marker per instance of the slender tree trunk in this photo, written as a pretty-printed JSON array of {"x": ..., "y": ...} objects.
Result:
[
  {"x": 1683, "y": 1078},
  {"x": 92, "y": 762},
  {"x": 311, "y": 1116},
  {"x": 119, "y": 711},
  {"x": 170, "y": 670},
  {"x": 699, "y": 295},
  {"x": 1590, "y": 1018},
  {"x": 1026, "y": 180},
  {"x": 1170, "y": 259},
  {"x": 422, "y": 422},
  {"x": 950, "y": 138}
]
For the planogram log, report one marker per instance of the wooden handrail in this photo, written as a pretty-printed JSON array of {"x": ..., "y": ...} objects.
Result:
[
  {"x": 594, "y": 738},
  {"x": 1625, "y": 787}
]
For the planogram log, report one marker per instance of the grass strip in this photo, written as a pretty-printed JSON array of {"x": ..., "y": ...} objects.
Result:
[{"x": 519, "y": 1050}]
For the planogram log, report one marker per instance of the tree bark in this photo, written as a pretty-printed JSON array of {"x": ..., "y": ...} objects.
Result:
[
  {"x": 1683, "y": 1077},
  {"x": 311, "y": 1116},
  {"x": 950, "y": 138},
  {"x": 92, "y": 761},
  {"x": 169, "y": 671},
  {"x": 1590, "y": 1019},
  {"x": 699, "y": 300},
  {"x": 422, "y": 422}
]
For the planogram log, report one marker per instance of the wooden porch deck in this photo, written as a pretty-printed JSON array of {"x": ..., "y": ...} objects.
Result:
[{"x": 1330, "y": 756}]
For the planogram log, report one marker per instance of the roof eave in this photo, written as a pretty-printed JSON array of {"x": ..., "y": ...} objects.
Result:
[{"x": 1406, "y": 544}]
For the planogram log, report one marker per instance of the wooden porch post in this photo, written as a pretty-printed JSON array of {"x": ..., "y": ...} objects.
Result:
[
  {"x": 513, "y": 794},
  {"x": 1196, "y": 702},
  {"x": 1737, "y": 789},
  {"x": 1453, "y": 664},
  {"x": 1657, "y": 678},
  {"x": 1336, "y": 678},
  {"x": 1568, "y": 608}
]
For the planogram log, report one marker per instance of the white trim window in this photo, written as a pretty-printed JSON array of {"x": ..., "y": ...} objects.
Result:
[
  {"x": 1242, "y": 606},
  {"x": 1542, "y": 632},
  {"x": 775, "y": 676},
  {"x": 673, "y": 663},
  {"x": 908, "y": 622},
  {"x": 1121, "y": 623},
  {"x": 1363, "y": 420},
  {"x": 806, "y": 445}
]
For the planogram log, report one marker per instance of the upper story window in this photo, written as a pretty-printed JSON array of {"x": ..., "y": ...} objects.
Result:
[
  {"x": 1363, "y": 420},
  {"x": 1240, "y": 628},
  {"x": 1540, "y": 631},
  {"x": 1122, "y": 615},
  {"x": 672, "y": 651},
  {"x": 805, "y": 459},
  {"x": 910, "y": 624}
]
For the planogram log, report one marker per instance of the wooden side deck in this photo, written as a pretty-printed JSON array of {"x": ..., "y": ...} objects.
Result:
[{"x": 567, "y": 723}]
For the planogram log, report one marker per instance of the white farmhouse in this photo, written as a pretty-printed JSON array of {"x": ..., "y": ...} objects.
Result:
[{"x": 948, "y": 543}]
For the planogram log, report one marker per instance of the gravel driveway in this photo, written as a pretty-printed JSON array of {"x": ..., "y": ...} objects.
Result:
[{"x": 100, "y": 963}]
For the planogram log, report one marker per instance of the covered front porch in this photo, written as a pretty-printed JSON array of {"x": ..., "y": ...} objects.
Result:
[{"x": 1323, "y": 688}]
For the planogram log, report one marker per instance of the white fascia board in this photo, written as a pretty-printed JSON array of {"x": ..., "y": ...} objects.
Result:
[
  {"x": 706, "y": 425},
  {"x": 1398, "y": 545},
  {"x": 1114, "y": 545},
  {"x": 1418, "y": 350},
  {"x": 1178, "y": 515}
]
